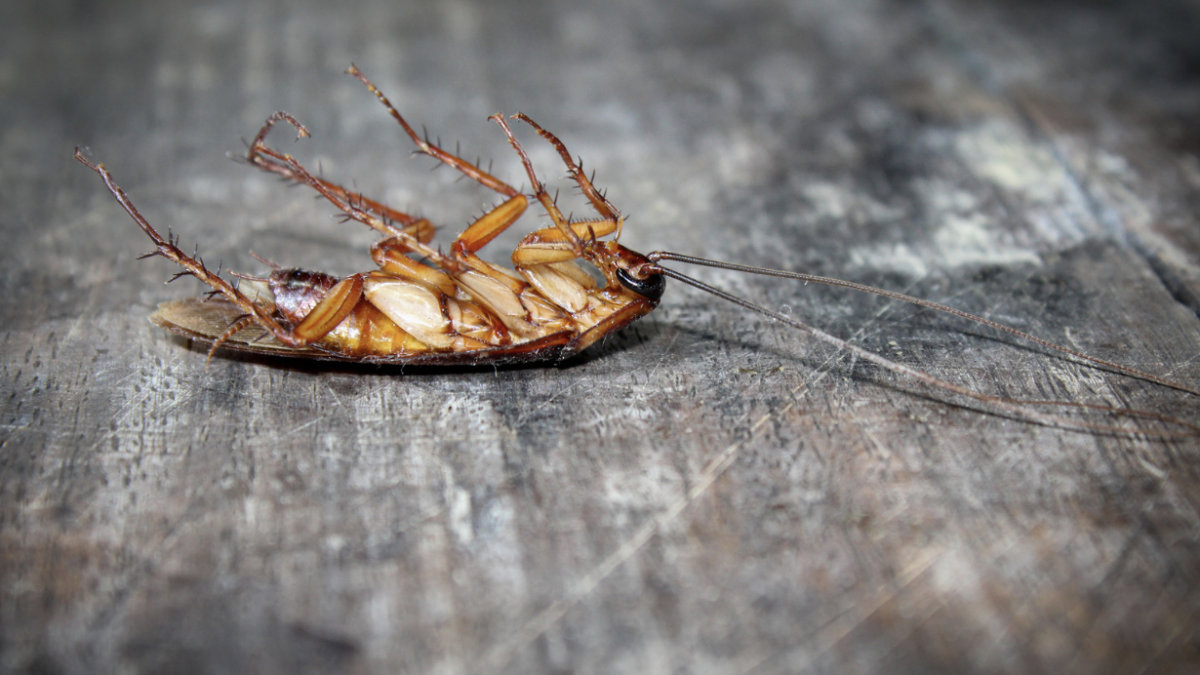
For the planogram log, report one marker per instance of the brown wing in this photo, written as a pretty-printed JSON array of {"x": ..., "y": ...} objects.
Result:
[{"x": 206, "y": 320}]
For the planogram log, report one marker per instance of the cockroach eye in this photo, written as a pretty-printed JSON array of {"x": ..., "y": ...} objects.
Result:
[{"x": 651, "y": 287}]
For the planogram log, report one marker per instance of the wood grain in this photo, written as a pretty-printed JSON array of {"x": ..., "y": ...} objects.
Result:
[{"x": 703, "y": 492}]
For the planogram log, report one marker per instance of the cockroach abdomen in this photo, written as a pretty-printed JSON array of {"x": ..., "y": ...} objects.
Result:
[{"x": 297, "y": 291}]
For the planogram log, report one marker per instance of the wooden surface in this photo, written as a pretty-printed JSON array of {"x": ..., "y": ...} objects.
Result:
[{"x": 706, "y": 492}]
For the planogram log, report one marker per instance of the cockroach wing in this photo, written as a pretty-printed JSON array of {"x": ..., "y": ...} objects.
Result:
[{"x": 205, "y": 320}]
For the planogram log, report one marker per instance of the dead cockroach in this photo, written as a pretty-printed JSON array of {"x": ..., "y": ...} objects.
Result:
[{"x": 425, "y": 307}]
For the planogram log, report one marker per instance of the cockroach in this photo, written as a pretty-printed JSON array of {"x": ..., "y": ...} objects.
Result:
[{"x": 422, "y": 306}]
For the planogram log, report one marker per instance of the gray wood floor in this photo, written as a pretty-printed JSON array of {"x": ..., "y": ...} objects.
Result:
[{"x": 705, "y": 492}]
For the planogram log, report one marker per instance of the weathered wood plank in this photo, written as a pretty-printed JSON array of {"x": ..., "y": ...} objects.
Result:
[{"x": 704, "y": 492}]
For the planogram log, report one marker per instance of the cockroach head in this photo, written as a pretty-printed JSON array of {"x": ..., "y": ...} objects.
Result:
[{"x": 635, "y": 272}]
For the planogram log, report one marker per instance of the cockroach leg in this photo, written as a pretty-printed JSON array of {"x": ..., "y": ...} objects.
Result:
[
  {"x": 332, "y": 305},
  {"x": 477, "y": 235},
  {"x": 266, "y": 158},
  {"x": 391, "y": 256},
  {"x": 424, "y": 147},
  {"x": 351, "y": 207},
  {"x": 488, "y": 226},
  {"x": 266, "y": 163},
  {"x": 239, "y": 324},
  {"x": 539, "y": 189},
  {"x": 598, "y": 200},
  {"x": 193, "y": 266}
]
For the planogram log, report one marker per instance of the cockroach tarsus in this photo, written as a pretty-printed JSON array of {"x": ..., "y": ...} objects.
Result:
[{"x": 423, "y": 306}]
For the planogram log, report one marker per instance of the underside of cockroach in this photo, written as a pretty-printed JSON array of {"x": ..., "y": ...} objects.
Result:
[{"x": 423, "y": 306}]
